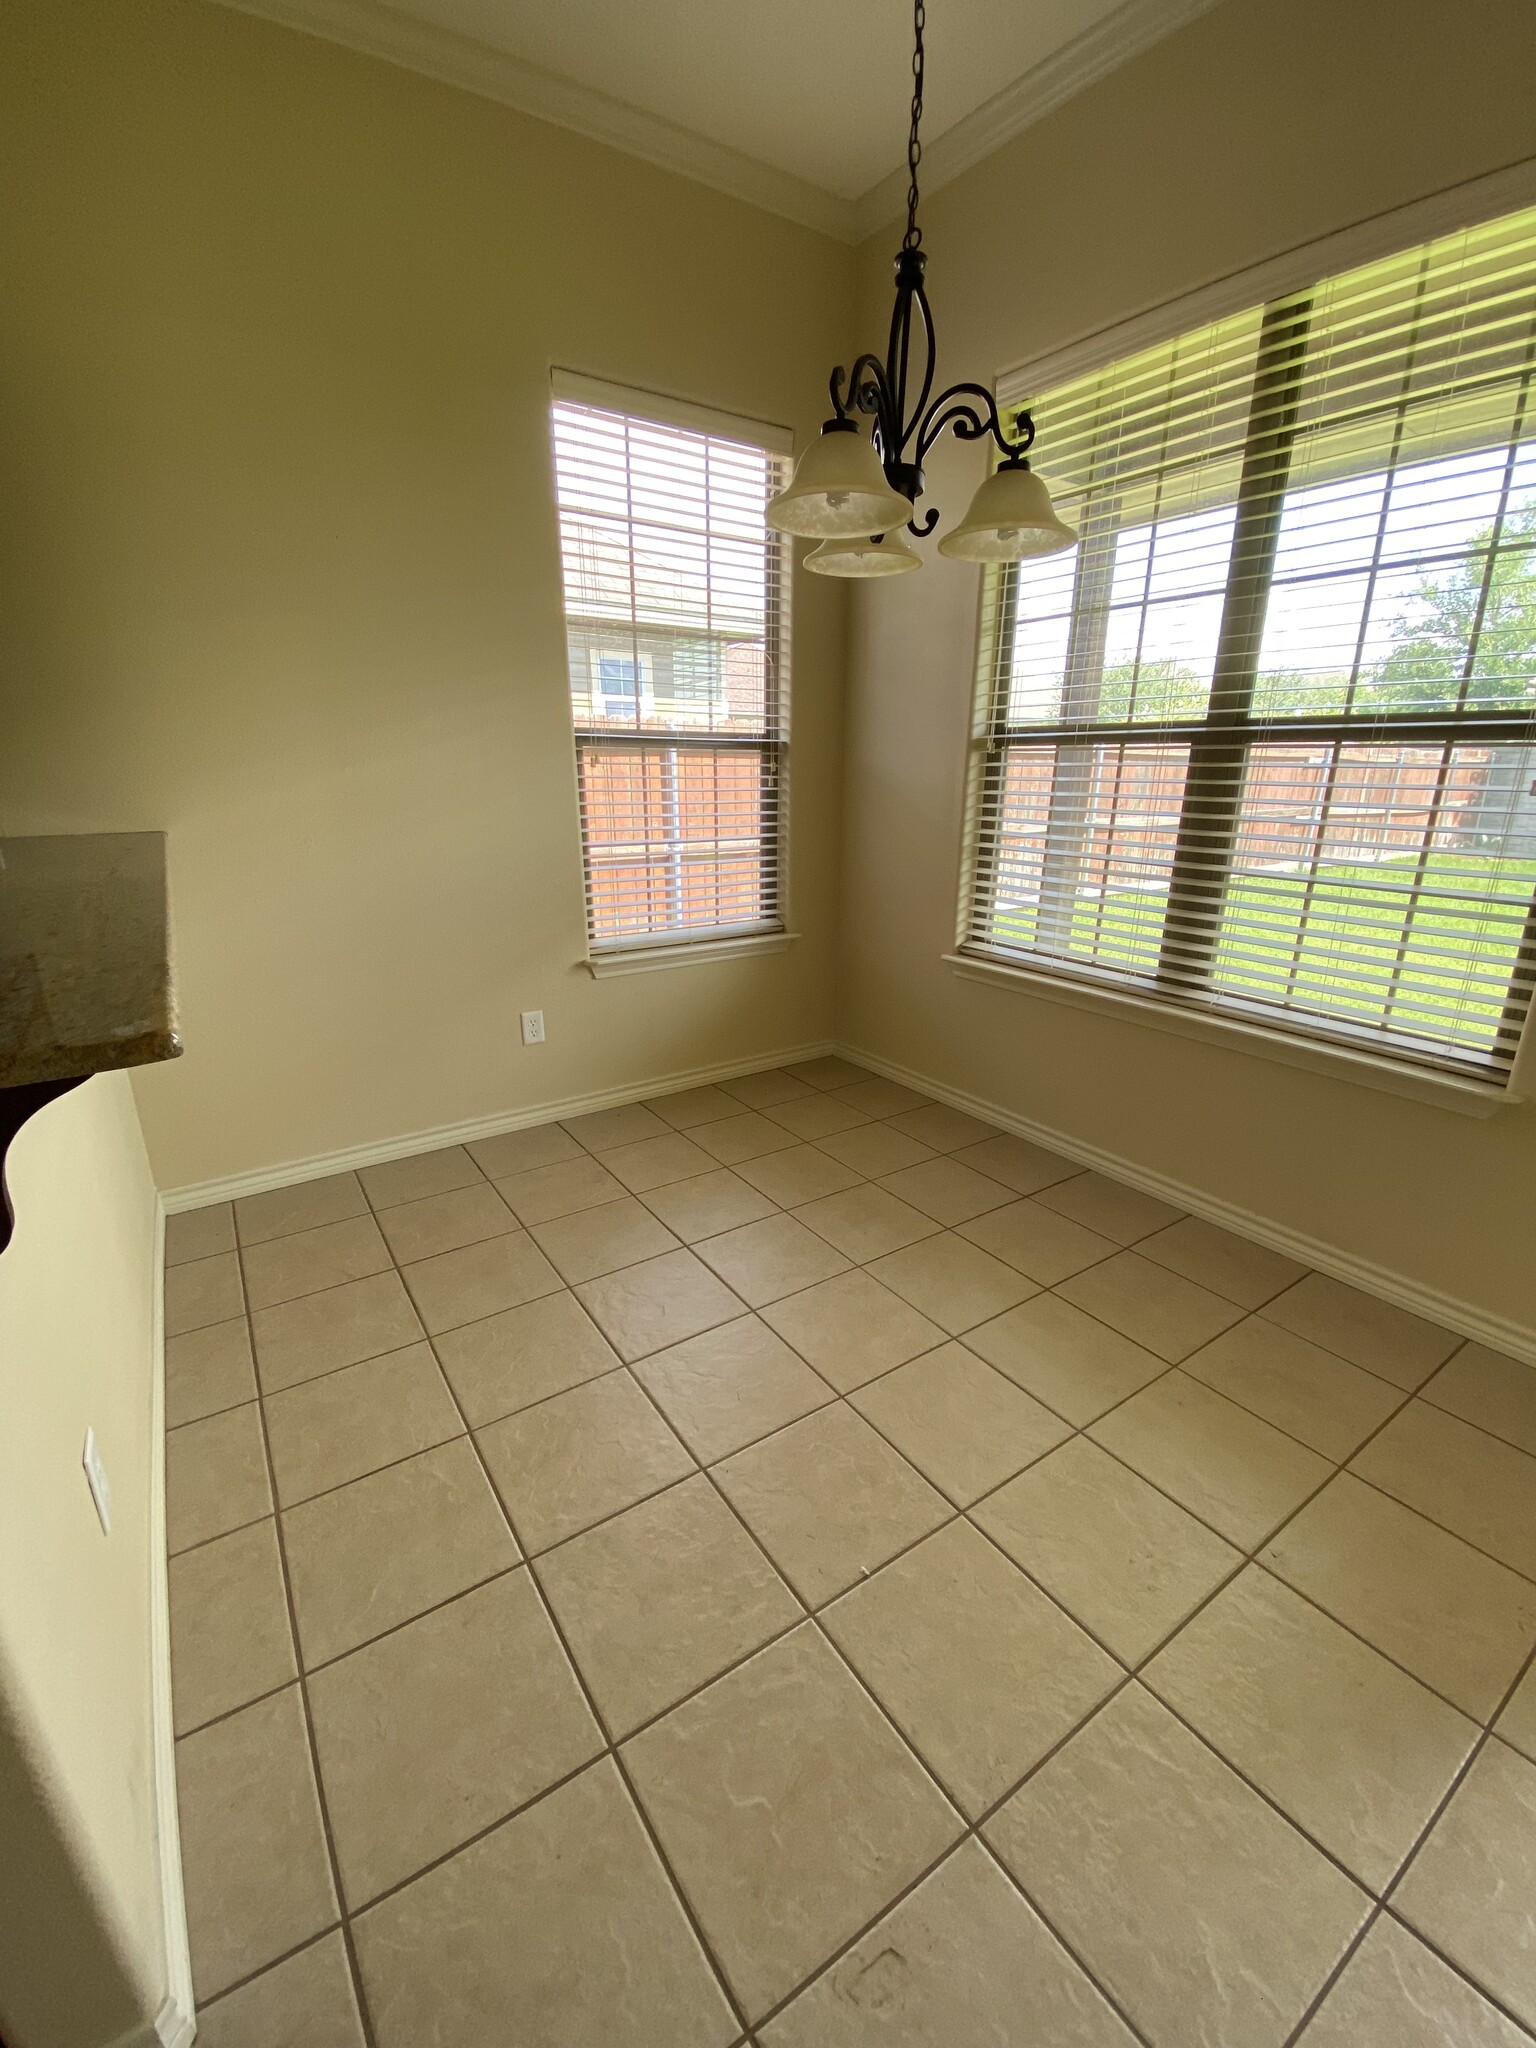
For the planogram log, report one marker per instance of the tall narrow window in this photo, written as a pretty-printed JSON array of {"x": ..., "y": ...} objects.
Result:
[
  {"x": 1265, "y": 741},
  {"x": 676, "y": 622}
]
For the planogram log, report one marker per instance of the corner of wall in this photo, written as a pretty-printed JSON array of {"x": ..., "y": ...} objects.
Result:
[{"x": 92, "y": 1932}]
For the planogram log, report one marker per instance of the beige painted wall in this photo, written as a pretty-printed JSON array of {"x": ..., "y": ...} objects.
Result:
[
  {"x": 275, "y": 349},
  {"x": 1263, "y": 125},
  {"x": 82, "y": 1952},
  {"x": 283, "y": 574}
]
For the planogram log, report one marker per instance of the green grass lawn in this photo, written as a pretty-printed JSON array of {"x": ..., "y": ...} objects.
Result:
[{"x": 1442, "y": 965}]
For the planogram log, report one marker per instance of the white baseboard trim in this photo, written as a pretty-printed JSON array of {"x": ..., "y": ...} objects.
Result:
[
  {"x": 170, "y": 2028},
  {"x": 175, "y": 2025},
  {"x": 1501, "y": 1333},
  {"x": 263, "y": 1178}
]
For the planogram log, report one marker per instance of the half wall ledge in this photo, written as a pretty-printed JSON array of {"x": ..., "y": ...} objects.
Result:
[{"x": 85, "y": 969}]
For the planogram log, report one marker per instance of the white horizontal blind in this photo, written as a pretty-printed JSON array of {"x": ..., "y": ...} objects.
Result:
[
  {"x": 1265, "y": 740},
  {"x": 676, "y": 627}
]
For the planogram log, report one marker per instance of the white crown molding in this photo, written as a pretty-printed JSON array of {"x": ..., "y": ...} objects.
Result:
[
  {"x": 1088, "y": 57},
  {"x": 378, "y": 30},
  {"x": 385, "y": 32}
]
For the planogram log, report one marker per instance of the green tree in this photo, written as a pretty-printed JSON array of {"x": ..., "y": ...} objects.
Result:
[
  {"x": 1432, "y": 635},
  {"x": 1163, "y": 689},
  {"x": 1168, "y": 690},
  {"x": 1426, "y": 665}
]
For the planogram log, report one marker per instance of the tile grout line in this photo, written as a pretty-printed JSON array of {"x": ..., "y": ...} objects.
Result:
[
  {"x": 1320, "y": 1997},
  {"x": 313, "y": 1670},
  {"x": 1442, "y": 1955},
  {"x": 1379, "y": 1900},
  {"x": 838, "y": 1396},
  {"x": 1119, "y": 1249},
  {"x": 359, "y": 1990},
  {"x": 1133, "y": 1674},
  {"x": 228, "y": 1713},
  {"x": 958, "y": 1514},
  {"x": 518, "y": 1227},
  {"x": 970, "y": 1835},
  {"x": 1491, "y": 1997},
  {"x": 1075, "y": 1172},
  {"x": 1409, "y": 1396},
  {"x": 1489, "y": 1733},
  {"x": 970, "y": 1830},
  {"x": 1382, "y": 1904},
  {"x": 764, "y": 1647},
  {"x": 251, "y": 1976},
  {"x": 808, "y": 1615},
  {"x": 610, "y": 1748},
  {"x": 1075, "y": 1430},
  {"x": 642, "y": 1813},
  {"x": 1246, "y": 1558},
  {"x": 1445, "y": 1529},
  {"x": 1070, "y": 1948},
  {"x": 534, "y": 1578},
  {"x": 493, "y": 1826}
]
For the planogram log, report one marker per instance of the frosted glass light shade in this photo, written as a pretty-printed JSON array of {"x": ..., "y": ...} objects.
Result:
[
  {"x": 886, "y": 554},
  {"x": 1011, "y": 516},
  {"x": 838, "y": 491}
]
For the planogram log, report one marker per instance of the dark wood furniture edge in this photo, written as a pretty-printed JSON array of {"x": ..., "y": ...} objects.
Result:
[{"x": 16, "y": 1105}]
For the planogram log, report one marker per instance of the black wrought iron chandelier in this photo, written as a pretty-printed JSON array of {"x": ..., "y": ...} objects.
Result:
[{"x": 854, "y": 493}]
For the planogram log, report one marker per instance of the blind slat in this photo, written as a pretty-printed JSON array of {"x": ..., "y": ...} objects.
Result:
[
  {"x": 1339, "y": 533},
  {"x": 676, "y": 631}
]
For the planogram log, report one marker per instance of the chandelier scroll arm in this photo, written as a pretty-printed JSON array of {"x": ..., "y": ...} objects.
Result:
[
  {"x": 864, "y": 388},
  {"x": 971, "y": 410}
]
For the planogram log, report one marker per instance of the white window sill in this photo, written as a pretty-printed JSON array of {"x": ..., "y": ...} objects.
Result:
[
  {"x": 1370, "y": 1070},
  {"x": 684, "y": 953}
]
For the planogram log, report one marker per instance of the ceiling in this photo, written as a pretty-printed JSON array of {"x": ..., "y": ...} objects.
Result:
[{"x": 797, "y": 105}]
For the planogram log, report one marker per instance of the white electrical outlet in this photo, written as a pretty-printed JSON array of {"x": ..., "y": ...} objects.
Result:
[
  {"x": 96, "y": 1479},
  {"x": 533, "y": 1027}
]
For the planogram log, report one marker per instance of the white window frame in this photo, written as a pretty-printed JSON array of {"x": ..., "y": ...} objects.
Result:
[
  {"x": 1387, "y": 234},
  {"x": 645, "y": 952}
]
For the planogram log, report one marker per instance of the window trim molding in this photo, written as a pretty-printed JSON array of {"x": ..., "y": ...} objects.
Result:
[
  {"x": 645, "y": 951},
  {"x": 1464, "y": 205},
  {"x": 1236, "y": 1034},
  {"x": 645, "y": 956},
  {"x": 573, "y": 387}
]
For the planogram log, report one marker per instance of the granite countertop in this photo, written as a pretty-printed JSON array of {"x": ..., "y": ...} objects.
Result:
[{"x": 85, "y": 972}]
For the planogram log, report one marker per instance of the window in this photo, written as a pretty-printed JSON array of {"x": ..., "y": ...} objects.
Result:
[
  {"x": 1264, "y": 742},
  {"x": 675, "y": 607}
]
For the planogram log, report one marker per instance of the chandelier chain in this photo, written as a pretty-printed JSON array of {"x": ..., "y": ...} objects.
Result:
[
  {"x": 906, "y": 420},
  {"x": 914, "y": 235}
]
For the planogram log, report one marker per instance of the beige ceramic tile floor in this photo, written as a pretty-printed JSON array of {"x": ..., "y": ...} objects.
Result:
[{"x": 787, "y": 1563}]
